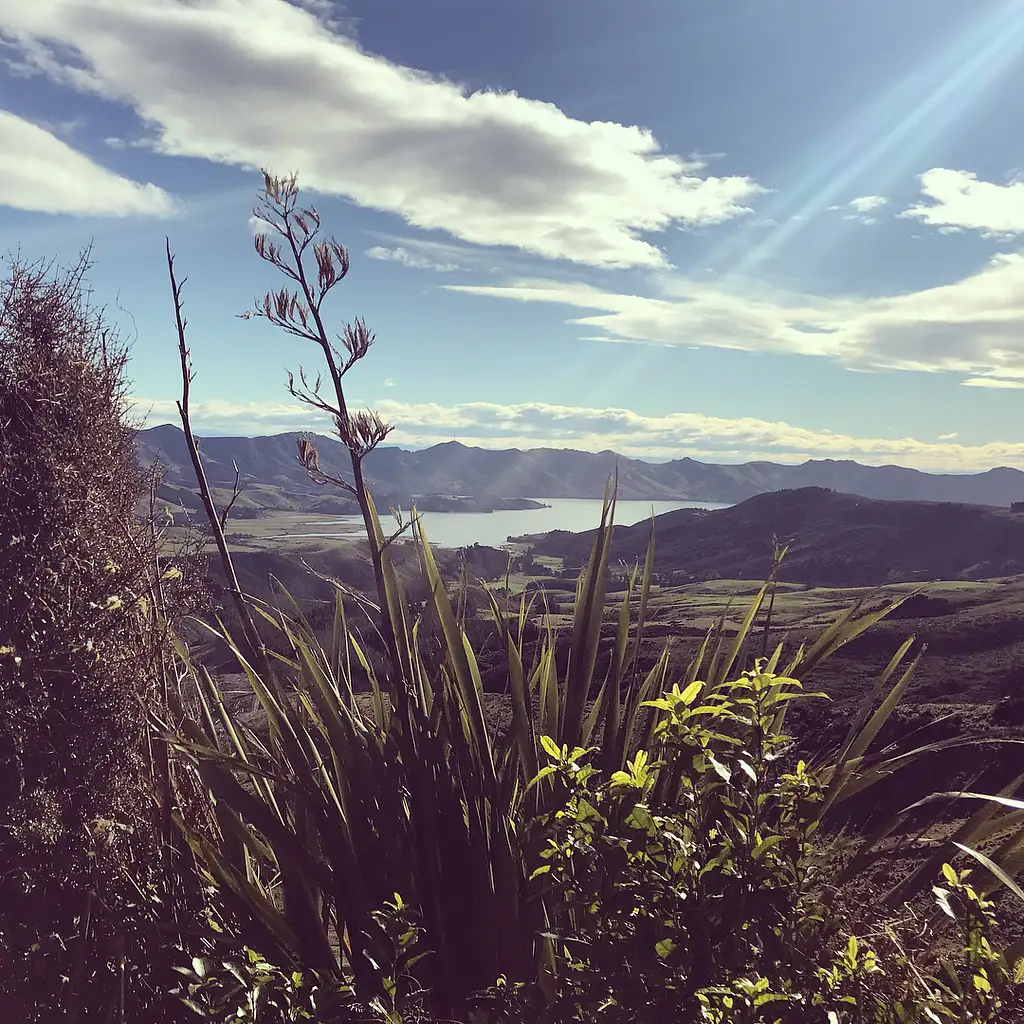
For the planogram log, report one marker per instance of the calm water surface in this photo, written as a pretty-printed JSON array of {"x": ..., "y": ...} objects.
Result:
[{"x": 457, "y": 529}]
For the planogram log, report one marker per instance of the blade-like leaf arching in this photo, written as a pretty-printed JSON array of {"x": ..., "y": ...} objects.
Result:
[
  {"x": 586, "y": 629},
  {"x": 466, "y": 674}
]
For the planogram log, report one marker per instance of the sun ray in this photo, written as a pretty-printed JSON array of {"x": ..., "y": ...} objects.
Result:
[{"x": 887, "y": 138}]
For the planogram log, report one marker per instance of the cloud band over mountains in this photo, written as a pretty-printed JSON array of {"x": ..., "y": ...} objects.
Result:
[
  {"x": 973, "y": 327},
  {"x": 542, "y": 425}
]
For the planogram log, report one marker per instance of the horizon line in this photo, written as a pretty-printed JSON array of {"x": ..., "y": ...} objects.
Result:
[{"x": 650, "y": 460}]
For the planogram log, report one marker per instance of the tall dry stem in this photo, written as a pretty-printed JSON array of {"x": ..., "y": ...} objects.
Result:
[
  {"x": 217, "y": 521},
  {"x": 299, "y": 313}
]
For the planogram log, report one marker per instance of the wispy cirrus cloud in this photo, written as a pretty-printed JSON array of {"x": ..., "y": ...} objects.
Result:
[
  {"x": 266, "y": 82},
  {"x": 400, "y": 254},
  {"x": 992, "y": 382},
  {"x": 973, "y": 327},
  {"x": 861, "y": 209},
  {"x": 539, "y": 424},
  {"x": 489, "y": 260},
  {"x": 41, "y": 172}
]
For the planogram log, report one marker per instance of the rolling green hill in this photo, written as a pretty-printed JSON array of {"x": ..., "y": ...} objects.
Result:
[{"x": 834, "y": 539}]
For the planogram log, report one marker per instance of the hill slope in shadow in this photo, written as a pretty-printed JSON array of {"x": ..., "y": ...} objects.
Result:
[{"x": 834, "y": 540}]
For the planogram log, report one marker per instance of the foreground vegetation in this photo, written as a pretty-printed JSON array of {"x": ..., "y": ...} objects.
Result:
[{"x": 644, "y": 842}]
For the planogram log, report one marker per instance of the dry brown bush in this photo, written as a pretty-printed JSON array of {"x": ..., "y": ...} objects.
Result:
[{"x": 77, "y": 665}]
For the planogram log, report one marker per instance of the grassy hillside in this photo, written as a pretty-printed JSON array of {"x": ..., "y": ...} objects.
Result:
[{"x": 834, "y": 539}]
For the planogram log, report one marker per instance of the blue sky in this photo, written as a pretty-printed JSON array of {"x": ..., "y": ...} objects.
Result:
[{"x": 731, "y": 230}]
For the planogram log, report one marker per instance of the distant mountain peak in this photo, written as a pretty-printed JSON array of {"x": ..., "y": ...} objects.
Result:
[{"x": 398, "y": 473}]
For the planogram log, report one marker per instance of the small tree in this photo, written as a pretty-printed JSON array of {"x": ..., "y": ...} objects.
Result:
[{"x": 74, "y": 664}]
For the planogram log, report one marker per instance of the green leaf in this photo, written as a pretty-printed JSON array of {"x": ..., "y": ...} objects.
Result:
[
  {"x": 542, "y": 774},
  {"x": 587, "y": 621},
  {"x": 691, "y": 693},
  {"x": 765, "y": 844},
  {"x": 996, "y": 870},
  {"x": 552, "y": 748}
]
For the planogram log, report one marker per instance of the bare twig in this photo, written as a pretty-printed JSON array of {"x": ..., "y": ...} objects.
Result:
[
  {"x": 187, "y": 376},
  {"x": 235, "y": 492}
]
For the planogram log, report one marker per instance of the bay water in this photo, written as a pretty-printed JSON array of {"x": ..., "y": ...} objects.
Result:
[{"x": 492, "y": 529}]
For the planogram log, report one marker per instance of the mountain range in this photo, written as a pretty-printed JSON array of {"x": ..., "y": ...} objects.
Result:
[{"x": 273, "y": 477}]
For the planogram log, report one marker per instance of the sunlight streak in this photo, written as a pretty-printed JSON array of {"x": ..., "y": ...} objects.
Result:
[{"x": 889, "y": 135}]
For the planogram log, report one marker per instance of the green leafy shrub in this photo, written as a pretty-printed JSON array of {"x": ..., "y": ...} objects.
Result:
[
  {"x": 688, "y": 886},
  {"x": 247, "y": 988}
]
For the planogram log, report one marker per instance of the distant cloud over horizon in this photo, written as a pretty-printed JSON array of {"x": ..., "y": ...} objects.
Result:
[{"x": 541, "y": 425}]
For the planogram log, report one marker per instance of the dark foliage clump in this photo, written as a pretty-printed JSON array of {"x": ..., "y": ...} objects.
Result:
[{"x": 76, "y": 663}]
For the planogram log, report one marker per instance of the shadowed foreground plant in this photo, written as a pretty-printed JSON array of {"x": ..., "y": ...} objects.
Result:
[
  {"x": 80, "y": 837},
  {"x": 340, "y": 804}
]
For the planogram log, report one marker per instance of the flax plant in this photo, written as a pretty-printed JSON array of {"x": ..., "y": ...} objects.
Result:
[{"x": 378, "y": 839}]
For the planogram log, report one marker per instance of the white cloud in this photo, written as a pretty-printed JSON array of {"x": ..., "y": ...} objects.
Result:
[
  {"x": 948, "y": 437},
  {"x": 992, "y": 382},
  {"x": 974, "y": 327},
  {"x": 610, "y": 340},
  {"x": 390, "y": 382},
  {"x": 458, "y": 254},
  {"x": 40, "y": 172},
  {"x": 862, "y": 208},
  {"x": 116, "y": 142},
  {"x": 258, "y": 226},
  {"x": 958, "y": 200},
  {"x": 219, "y": 415},
  {"x": 538, "y": 424},
  {"x": 865, "y": 204},
  {"x": 264, "y": 82},
  {"x": 402, "y": 255}
]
